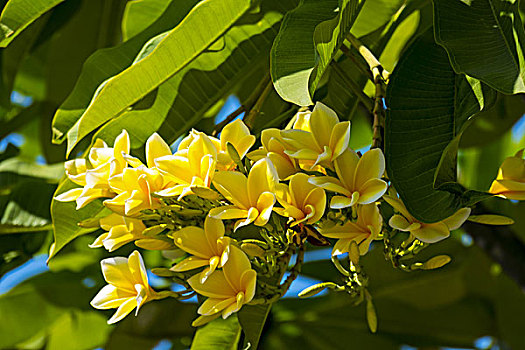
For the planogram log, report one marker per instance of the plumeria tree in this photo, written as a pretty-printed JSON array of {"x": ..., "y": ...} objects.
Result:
[{"x": 236, "y": 174}]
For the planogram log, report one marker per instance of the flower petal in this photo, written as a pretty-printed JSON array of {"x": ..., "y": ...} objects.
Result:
[
  {"x": 371, "y": 191},
  {"x": 432, "y": 233},
  {"x": 370, "y": 166},
  {"x": 124, "y": 309},
  {"x": 340, "y": 139},
  {"x": 398, "y": 222},
  {"x": 216, "y": 286},
  {"x": 237, "y": 264},
  {"x": 345, "y": 167},
  {"x": 228, "y": 212},
  {"x": 190, "y": 263},
  {"x": 156, "y": 147},
  {"x": 233, "y": 185},
  {"x": 322, "y": 121},
  {"x": 212, "y": 306},
  {"x": 193, "y": 240},
  {"x": 457, "y": 219}
]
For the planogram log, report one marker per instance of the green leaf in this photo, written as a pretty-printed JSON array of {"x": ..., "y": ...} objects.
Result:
[
  {"x": 374, "y": 15},
  {"x": 210, "y": 19},
  {"x": 329, "y": 36},
  {"x": 18, "y": 14},
  {"x": 293, "y": 55},
  {"x": 104, "y": 64},
  {"x": 78, "y": 330},
  {"x": 66, "y": 217},
  {"x": 252, "y": 319},
  {"x": 28, "y": 314},
  {"x": 183, "y": 100},
  {"x": 496, "y": 56},
  {"x": 139, "y": 15},
  {"x": 428, "y": 104},
  {"x": 218, "y": 334}
]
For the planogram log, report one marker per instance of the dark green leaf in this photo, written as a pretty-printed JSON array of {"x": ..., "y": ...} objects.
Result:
[
  {"x": 496, "y": 55},
  {"x": 252, "y": 319},
  {"x": 428, "y": 105}
]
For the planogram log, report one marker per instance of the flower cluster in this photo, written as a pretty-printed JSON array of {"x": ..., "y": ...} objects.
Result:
[{"x": 230, "y": 219}]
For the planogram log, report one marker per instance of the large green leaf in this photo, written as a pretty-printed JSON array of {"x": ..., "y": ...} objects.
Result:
[
  {"x": 484, "y": 39},
  {"x": 179, "y": 103},
  {"x": 66, "y": 218},
  {"x": 428, "y": 105},
  {"x": 18, "y": 14},
  {"x": 210, "y": 19},
  {"x": 104, "y": 64},
  {"x": 309, "y": 38},
  {"x": 218, "y": 334}
]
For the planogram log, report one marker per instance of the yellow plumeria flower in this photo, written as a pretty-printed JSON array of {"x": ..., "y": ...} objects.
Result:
[
  {"x": 302, "y": 201},
  {"x": 208, "y": 246},
  {"x": 123, "y": 230},
  {"x": 510, "y": 182},
  {"x": 253, "y": 198},
  {"x": 366, "y": 229},
  {"x": 127, "y": 288},
  {"x": 317, "y": 136},
  {"x": 190, "y": 171},
  {"x": 238, "y": 134},
  {"x": 359, "y": 179},
  {"x": 425, "y": 232},
  {"x": 135, "y": 187},
  {"x": 227, "y": 290},
  {"x": 273, "y": 147},
  {"x": 104, "y": 162}
]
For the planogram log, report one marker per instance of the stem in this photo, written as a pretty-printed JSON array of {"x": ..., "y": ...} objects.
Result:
[
  {"x": 373, "y": 63},
  {"x": 380, "y": 75},
  {"x": 365, "y": 100},
  {"x": 228, "y": 119},
  {"x": 255, "y": 110}
]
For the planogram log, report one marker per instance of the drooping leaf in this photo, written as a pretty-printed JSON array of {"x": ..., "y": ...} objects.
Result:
[
  {"x": 218, "y": 334},
  {"x": 428, "y": 105},
  {"x": 18, "y": 14},
  {"x": 211, "y": 19},
  {"x": 496, "y": 57},
  {"x": 309, "y": 38}
]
